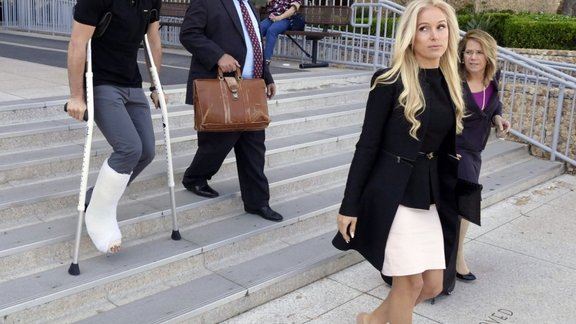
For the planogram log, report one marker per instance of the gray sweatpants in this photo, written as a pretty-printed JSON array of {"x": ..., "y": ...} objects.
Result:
[{"x": 123, "y": 116}]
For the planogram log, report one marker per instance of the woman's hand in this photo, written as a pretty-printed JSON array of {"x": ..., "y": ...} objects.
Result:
[
  {"x": 502, "y": 126},
  {"x": 274, "y": 18},
  {"x": 346, "y": 224}
]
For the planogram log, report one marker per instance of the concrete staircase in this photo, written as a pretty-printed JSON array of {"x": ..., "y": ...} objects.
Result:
[{"x": 227, "y": 261}]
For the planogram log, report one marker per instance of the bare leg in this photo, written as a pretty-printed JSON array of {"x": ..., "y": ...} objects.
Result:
[
  {"x": 380, "y": 314},
  {"x": 397, "y": 308},
  {"x": 433, "y": 281},
  {"x": 363, "y": 318},
  {"x": 461, "y": 266}
]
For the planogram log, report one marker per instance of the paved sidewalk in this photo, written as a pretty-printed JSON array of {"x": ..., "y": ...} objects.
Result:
[
  {"x": 23, "y": 81},
  {"x": 524, "y": 256}
]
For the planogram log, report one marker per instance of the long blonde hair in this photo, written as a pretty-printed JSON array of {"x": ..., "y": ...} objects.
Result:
[{"x": 404, "y": 64}]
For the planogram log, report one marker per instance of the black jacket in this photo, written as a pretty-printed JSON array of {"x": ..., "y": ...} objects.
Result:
[
  {"x": 380, "y": 172},
  {"x": 478, "y": 122}
]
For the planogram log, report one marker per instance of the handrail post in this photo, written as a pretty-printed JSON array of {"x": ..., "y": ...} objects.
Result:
[{"x": 557, "y": 121}]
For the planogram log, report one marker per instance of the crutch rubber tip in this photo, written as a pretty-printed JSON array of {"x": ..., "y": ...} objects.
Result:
[
  {"x": 176, "y": 236},
  {"x": 74, "y": 269}
]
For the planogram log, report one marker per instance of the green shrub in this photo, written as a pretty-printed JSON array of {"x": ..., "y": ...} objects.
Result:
[
  {"x": 540, "y": 31},
  {"x": 543, "y": 31},
  {"x": 489, "y": 22}
]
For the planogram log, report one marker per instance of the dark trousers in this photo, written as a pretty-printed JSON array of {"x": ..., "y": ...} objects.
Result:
[
  {"x": 249, "y": 149},
  {"x": 123, "y": 117}
]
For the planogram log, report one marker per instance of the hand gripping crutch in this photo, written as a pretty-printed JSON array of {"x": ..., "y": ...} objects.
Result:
[
  {"x": 164, "y": 111},
  {"x": 89, "y": 117}
]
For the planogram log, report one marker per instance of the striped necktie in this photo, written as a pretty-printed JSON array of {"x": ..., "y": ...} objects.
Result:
[{"x": 258, "y": 61}]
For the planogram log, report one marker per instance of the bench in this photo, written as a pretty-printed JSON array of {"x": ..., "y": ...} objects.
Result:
[
  {"x": 325, "y": 17},
  {"x": 172, "y": 13}
]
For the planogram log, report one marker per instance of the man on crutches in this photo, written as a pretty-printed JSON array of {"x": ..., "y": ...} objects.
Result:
[{"x": 121, "y": 109}]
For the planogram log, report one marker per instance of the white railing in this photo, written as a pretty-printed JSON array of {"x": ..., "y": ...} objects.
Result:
[
  {"x": 358, "y": 44},
  {"x": 43, "y": 16}
]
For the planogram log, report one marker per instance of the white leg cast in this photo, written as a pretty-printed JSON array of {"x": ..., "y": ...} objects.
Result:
[{"x": 101, "y": 220}]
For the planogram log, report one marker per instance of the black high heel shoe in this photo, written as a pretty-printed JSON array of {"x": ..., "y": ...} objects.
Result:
[{"x": 466, "y": 277}]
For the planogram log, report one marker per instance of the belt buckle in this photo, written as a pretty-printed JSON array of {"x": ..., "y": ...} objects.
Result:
[{"x": 430, "y": 155}]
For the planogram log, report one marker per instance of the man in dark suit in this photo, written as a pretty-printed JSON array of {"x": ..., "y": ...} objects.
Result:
[{"x": 224, "y": 34}]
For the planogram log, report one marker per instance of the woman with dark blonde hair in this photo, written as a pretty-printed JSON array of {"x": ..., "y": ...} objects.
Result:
[
  {"x": 399, "y": 208},
  {"x": 478, "y": 70}
]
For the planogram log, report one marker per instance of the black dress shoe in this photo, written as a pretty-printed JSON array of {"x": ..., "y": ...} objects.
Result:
[
  {"x": 266, "y": 212},
  {"x": 466, "y": 277},
  {"x": 202, "y": 189}
]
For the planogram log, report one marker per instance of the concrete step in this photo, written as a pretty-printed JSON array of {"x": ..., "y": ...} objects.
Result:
[
  {"x": 200, "y": 300},
  {"x": 34, "y": 165},
  {"x": 46, "y": 245},
  {"x": 286, "y": 83},
  {"x": 502, "y": 154},
  {"x": 233, "y": 245},
  {"x": 517, "y": 177},
  {"x": 54, "y": 196},
  {"x": 60, "y": 129}
]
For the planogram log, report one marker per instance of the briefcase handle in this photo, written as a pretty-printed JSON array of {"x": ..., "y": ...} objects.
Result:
[{"x": 231, "y": 82}]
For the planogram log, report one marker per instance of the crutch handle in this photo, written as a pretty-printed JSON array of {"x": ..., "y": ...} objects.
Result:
[{"x": 85, "y": 112}]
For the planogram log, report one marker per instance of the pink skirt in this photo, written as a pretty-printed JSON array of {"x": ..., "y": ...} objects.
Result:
[{"x": 415, "y": 243}]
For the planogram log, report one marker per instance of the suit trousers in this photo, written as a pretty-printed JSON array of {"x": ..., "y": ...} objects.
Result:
[{"x": 249, "y": 149}]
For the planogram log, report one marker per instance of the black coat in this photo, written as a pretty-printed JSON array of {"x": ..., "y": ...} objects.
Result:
[
  {"x": 378, "y": 178},
  {"x": 477, "y": 126},
  {"x": 212, "y": 28},
  {"x": 477, "y": 122}
]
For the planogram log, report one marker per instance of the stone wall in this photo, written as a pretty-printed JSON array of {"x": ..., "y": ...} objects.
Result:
[
  {"x": 534, "y": 109},
  {"x": 547, "y": 6},
  {"x": 550, "y": 55}
]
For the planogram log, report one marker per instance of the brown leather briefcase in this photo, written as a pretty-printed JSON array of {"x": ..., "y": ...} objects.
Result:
[{"x": 229, "y": 104}]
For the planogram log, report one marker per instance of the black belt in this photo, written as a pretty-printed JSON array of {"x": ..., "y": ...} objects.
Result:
[{"x": 429, "y": 155}]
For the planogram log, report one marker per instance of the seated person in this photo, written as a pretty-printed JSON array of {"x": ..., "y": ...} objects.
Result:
[{"x": 280, "y": 13}]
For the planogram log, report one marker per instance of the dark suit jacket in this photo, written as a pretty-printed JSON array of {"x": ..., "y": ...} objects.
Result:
[
  {"x": 210, "y": 29},
  {"x": 380, "y": 172},
  {"x": 478, "y": 122}
]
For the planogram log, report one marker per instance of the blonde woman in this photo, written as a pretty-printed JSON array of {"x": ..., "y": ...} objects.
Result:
[
  {"x": 483, "y": 110},
  {"x": 399, "y": 209}
]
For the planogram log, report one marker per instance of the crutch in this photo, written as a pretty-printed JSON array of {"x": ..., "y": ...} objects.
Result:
[
  {"x": 164, "y": 111},
  {"x": 89, "y": 118}
]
